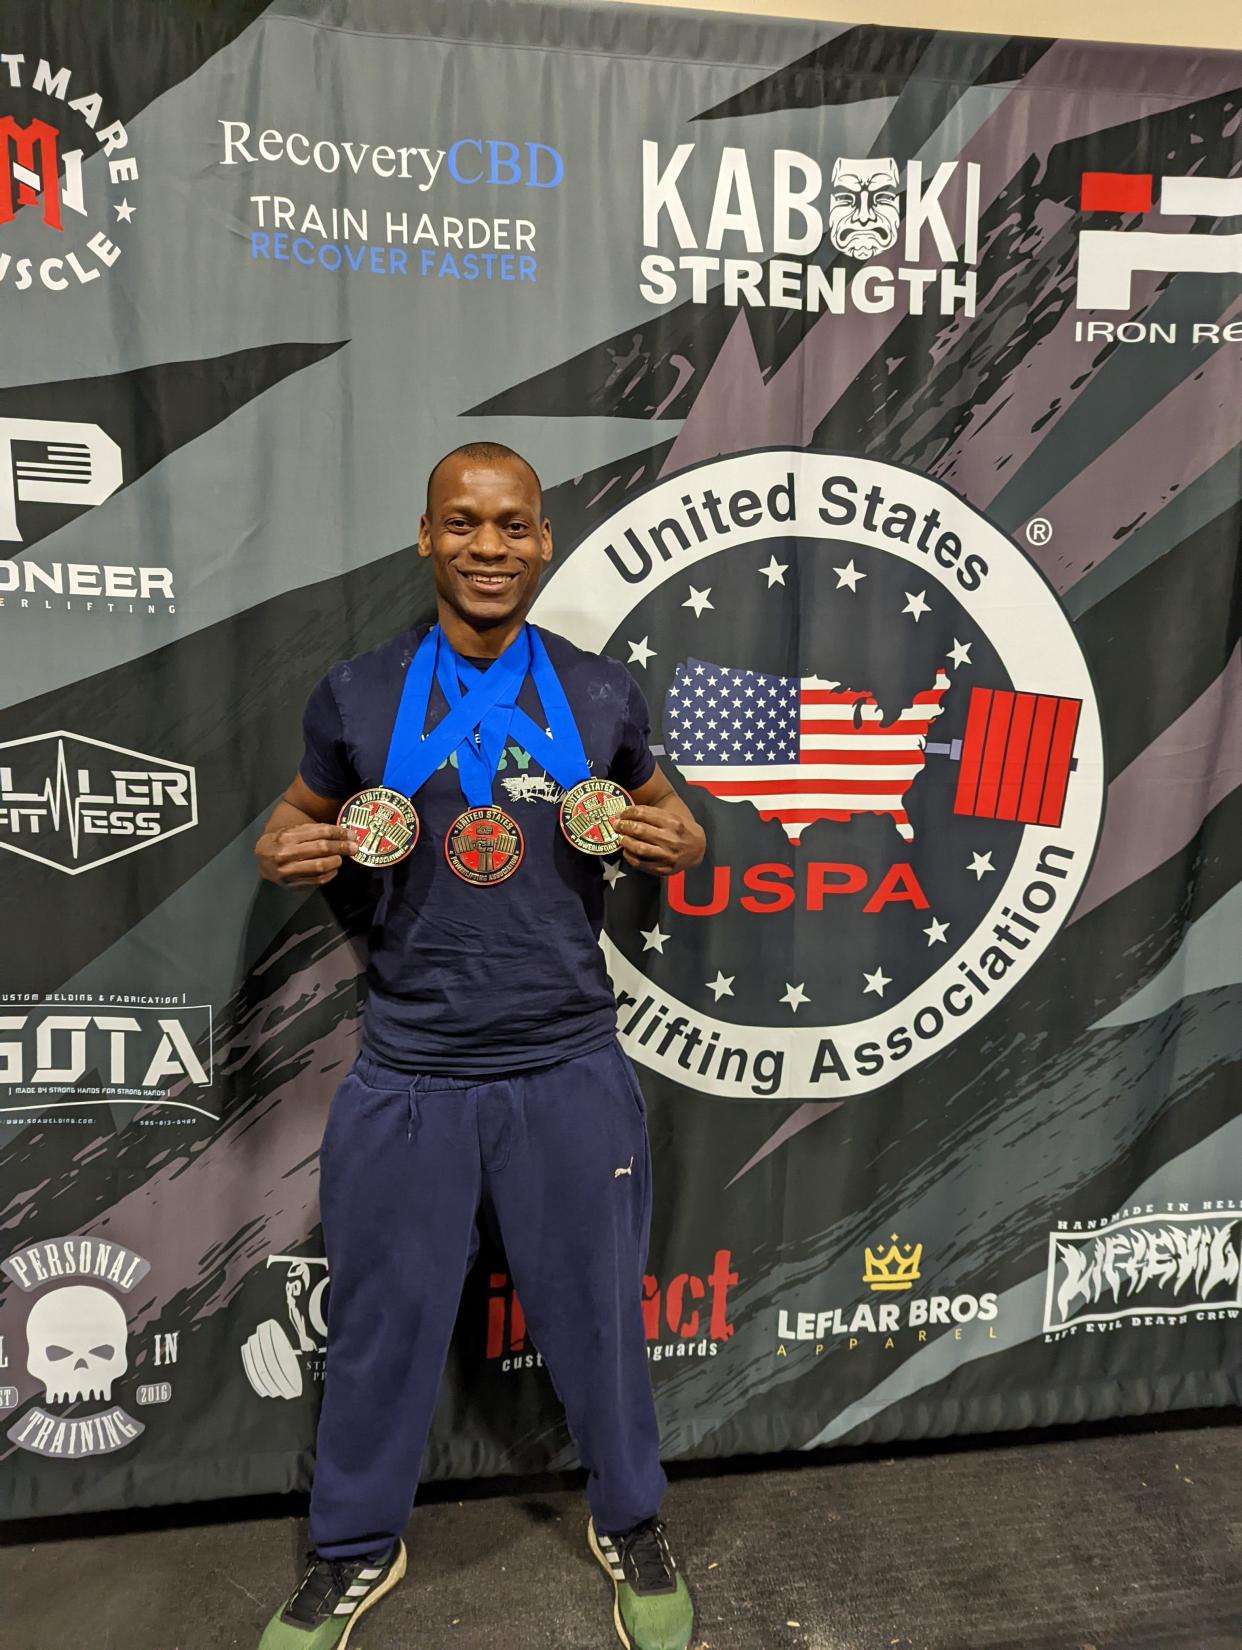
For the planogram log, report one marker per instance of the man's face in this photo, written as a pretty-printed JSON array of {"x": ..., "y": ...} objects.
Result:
[
  {"x": 485, "y": 537},
  {"x": 865, "y": 210}
]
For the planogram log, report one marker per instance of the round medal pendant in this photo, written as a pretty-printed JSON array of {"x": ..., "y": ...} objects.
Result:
[
  {"x": 483, "y": 846},
  {"x": 383, "y": 823},
  {"x": 587, "y": 813}
]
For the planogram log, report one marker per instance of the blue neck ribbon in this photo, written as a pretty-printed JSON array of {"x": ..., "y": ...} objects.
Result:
[{"x": 481, "y": 717}]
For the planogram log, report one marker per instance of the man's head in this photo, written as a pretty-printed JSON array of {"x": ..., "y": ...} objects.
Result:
[{"x": 485, "y": 533}]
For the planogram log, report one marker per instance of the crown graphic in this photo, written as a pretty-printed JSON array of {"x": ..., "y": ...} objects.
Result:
[{"x": 894, "y": 1270}]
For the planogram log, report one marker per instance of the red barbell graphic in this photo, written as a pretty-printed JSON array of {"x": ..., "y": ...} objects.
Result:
[{"x": 1016, "y": 756}]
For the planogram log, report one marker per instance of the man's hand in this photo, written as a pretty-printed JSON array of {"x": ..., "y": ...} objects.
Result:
[
  {"x": 303, "y": 856},
  {"x": 662, "y": 840}
]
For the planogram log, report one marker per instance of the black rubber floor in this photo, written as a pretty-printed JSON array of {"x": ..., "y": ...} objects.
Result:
[{"x": 1126, "y": 1539}]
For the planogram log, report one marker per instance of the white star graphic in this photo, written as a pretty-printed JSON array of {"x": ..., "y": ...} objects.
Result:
[
  {"x": 916, "y": 605},
  {"x": 794, "y": 996},
  {"x": 848, "y": 575},
  {"x": 613, "y": 873},
  {"x": 979, "y": 864},
  {"x": 123, "y": 210},
  {"x": 698, "y": 600},
  {"x": 640, "y": 652},
  {"x": 875, "y": 982},
  {"x": 936, "y": 933},
  {"x": 775, "y": 572},
  {"x": 960, "y": 652},
  {"x": 721, "y": 986},
  {"x": 653, "y": 939}
]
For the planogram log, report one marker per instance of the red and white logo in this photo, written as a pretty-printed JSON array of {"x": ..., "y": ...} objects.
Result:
[
  {"x": 52, "y": 172},
  {"x": 1108, "y": 259}
]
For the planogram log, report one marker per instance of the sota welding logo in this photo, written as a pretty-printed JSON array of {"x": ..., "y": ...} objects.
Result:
[{"x": 876, "y": 704}]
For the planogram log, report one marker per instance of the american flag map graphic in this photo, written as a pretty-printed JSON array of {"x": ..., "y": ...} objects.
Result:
[{"x": 797, "y": 748}]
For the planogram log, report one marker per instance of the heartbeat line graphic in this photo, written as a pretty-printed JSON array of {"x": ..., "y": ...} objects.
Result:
[
  {"x": 59, "y": 795},
  {"x": 145, "y": 799}
]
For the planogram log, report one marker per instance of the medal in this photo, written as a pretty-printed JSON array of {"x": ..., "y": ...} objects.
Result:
[
  {"x": 587, "y": 813},
  {"x": 484, "y": 846},
  {"x": 383, "y": 823}
]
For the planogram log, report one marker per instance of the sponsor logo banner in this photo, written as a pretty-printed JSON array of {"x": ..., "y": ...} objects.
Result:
[
  {"x": 911, "y": 245},
  {"x": 917, "y": 777},
  {"x": 67, "y": 1050},
  {"x": 891, "y": 1274},
  {"x": 280, "y": 1360},
  {"x": 66, "y": 165},
  {"x": 77, "y": 1347},
  {"x": 77, "y": 803},
  {"x": 1145, "y": 1269}
]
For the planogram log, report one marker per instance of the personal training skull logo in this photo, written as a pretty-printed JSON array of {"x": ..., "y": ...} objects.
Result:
[
  {"x": 864, "y": 213},
  {"x": 76, "y": 1343}
]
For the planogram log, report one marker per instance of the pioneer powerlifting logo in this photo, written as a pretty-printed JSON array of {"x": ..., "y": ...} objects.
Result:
[
  {"x": 79, "y": 1348},
  {"x": 878, "y": 707},
  {"x": 929, "y": 223},
  {"x": 76, "y": 803},
  {"x": 65, "y": 165}
]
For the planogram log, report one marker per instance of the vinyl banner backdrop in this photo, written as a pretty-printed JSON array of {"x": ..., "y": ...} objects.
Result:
[{"x": 887, "y": 390}]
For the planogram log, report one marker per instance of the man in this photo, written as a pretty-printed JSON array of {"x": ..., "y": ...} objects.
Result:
[{"x": 490, "y": 1079}]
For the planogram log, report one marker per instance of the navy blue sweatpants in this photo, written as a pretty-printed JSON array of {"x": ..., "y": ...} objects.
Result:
[{"x": 405, "y": 1168}]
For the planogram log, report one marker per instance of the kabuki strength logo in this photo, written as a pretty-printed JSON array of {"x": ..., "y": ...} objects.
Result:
[{"x": 880, "y": 712}]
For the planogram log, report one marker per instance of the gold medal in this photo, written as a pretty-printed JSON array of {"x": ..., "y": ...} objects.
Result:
[
  {"x": 484, "y": 846},
  {"x": 383, "y": 823},
  {"x": 587, "y": 813}
]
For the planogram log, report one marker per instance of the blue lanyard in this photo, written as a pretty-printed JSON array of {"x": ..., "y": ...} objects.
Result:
[
  {"x": 413, "y": 758},
  {"x": 559, "y": 751}
]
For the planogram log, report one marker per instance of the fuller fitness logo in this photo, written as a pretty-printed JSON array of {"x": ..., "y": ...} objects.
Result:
[
  {"x": 76, "y": 803},
  {"x": 881, "y": 711}
]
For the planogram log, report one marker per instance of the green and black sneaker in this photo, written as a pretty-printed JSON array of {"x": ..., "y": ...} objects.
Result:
[
  {"x": 651, "y": 1602},
  {"x": 331, "y": 1596}
]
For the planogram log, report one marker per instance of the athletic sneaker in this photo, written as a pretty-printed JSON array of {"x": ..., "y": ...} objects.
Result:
[
  {"x": 331, "y": 1596},
  {"x": 651, "y": 1602}
]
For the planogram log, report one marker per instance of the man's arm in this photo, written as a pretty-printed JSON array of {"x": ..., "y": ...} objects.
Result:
[
  {"x": 302, "y": 846},
  {"x": 659, "y": 833}
]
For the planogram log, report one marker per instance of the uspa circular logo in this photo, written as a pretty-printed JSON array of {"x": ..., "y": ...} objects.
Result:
[
  {"x": 67, "y": 178},
  {"x": 875, "y": 704}
]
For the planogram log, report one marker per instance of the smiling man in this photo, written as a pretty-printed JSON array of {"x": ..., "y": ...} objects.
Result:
[{"x": 490, "y": 1083}]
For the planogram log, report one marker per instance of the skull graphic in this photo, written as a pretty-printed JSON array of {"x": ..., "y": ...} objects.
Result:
[
  {"x": 865, "y": 210},
  {"x": 76, "y": 1342}
]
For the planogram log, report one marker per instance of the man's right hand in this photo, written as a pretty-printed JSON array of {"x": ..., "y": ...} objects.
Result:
[{"x": 303, "y": 856}]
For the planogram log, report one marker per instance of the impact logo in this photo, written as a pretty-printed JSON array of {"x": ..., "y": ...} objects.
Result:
[
  {"x": 1109, "y": 259},
  {"x": 77, "y": 1346},
  {"x": 1144, "y": 1269},
  {"x": 48, "y": 123},
  {"x": 687, "y": 1317},
  {"x": 76, "y": 803},
  {"x": 278, "y": 1360},
  {"x": 878, "y": 708},
  {"x": 889, "y": 1273},
  {"x": 53, "y": 1056},
  {"x": 934, "y": 241}
]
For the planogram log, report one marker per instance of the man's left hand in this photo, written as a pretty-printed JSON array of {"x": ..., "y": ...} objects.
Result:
[{"x": 658, "y": 840}]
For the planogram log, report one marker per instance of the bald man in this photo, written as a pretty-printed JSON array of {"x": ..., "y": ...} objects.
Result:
[{"x": 490, "y": 1082}]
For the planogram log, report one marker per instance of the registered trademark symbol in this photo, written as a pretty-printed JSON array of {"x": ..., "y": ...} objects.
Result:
[{"x": 1038, "y": 530}]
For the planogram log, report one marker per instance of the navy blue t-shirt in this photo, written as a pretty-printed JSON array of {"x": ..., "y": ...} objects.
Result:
[{"x": 481, "y": 981}]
